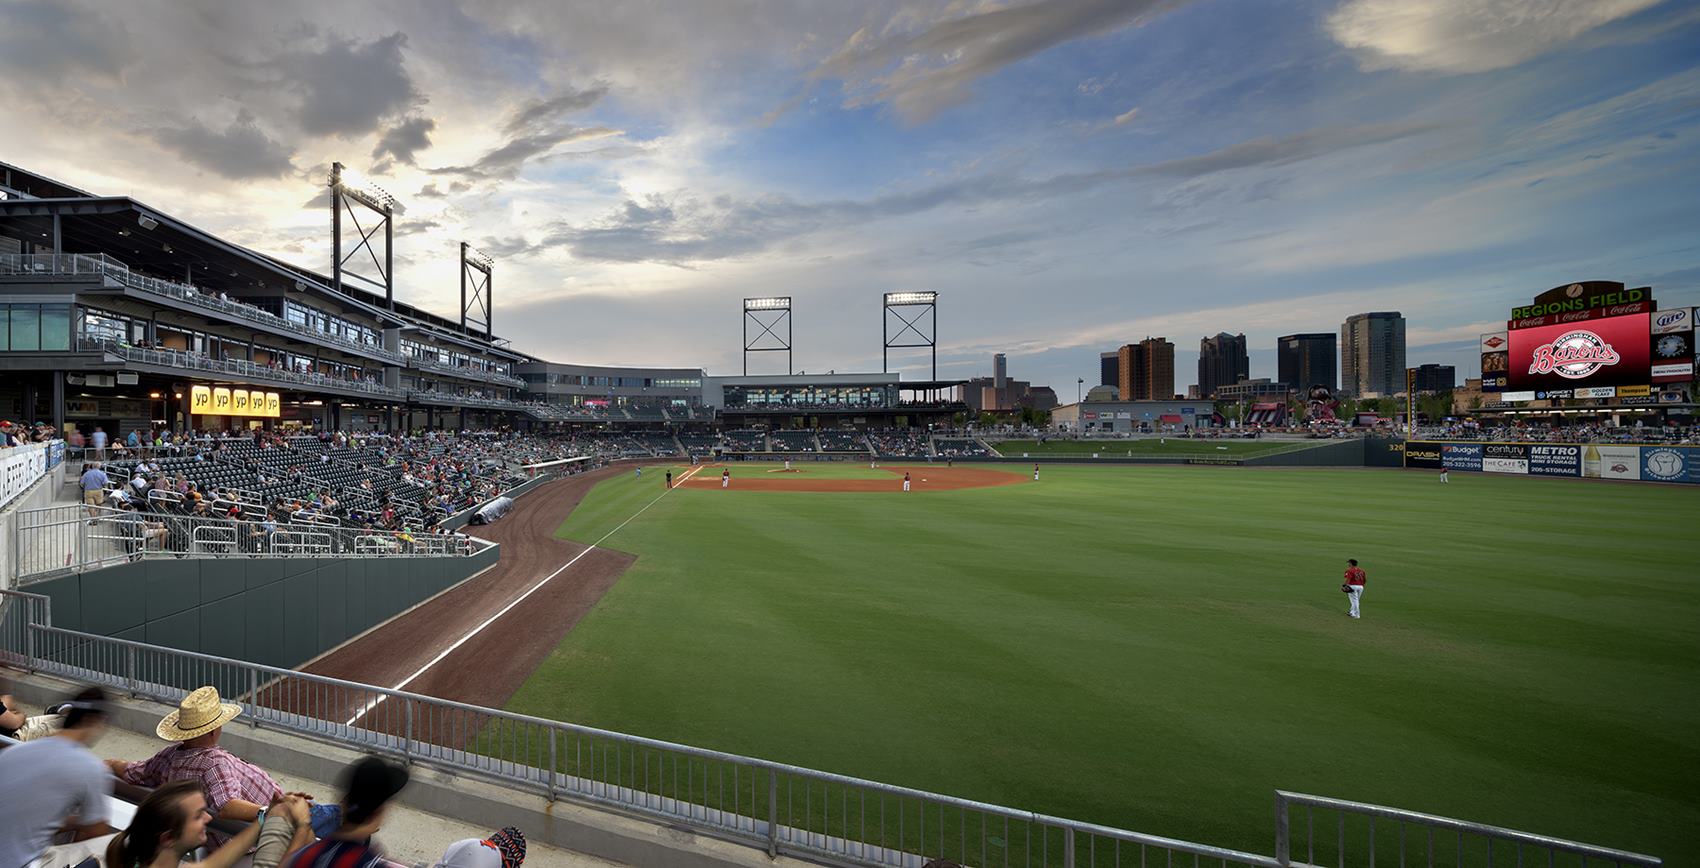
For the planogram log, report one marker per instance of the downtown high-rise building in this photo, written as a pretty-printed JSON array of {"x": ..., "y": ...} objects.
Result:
[
  {"x": 1306, "y": 360},
  {"x": 1372, "y": 354},
  {"x": 1222, "y": 361},
  {"x": 1146, "y": 370},
  {"x": 1109, "y": 369}
]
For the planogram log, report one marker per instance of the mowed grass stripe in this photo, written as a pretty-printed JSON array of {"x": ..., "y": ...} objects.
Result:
[{"x": 1159, "y": 648}]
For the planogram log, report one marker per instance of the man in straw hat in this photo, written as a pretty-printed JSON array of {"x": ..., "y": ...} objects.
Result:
[{"x": 235, "y": 789}]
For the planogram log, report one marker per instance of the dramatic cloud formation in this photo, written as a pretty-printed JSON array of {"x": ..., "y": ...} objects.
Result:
[
  {"x": 921, "y": 73},
  {"x": 405, "y": 139},
  {"x": 241, "y": 151},
  {"x": 1460, "y": 36},
  {"x": 1069, "y": 174},
  {"x": 349, "y": 88}
]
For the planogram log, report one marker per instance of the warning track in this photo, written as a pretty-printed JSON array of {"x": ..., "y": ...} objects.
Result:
[{"x": 478, "y": 642}]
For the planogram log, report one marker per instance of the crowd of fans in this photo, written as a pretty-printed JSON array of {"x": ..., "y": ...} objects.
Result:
[
  {"x": 57, "y": 807},
  {"x": 1535, "y": 433}
]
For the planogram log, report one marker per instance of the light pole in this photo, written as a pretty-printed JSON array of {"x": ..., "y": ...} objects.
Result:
[{"x": 1079, "y": 383}]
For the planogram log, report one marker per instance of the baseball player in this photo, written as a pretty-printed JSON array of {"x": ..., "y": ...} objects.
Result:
[
  {"x": 905, "y": 481},
  {"x": 669, "y": 479},
  {"x": 1035, "y": 473},
  {"x": 639, "y": 470},
  {"x": 1443, "y": 476},
  {"x": 1354, "y": 584},
  {"x": 787, "y": 465},
  {"x": 726, "y": 478}
]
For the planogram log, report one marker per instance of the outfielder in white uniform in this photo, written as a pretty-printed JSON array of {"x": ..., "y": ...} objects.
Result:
[{"x": 905, "y": 482}]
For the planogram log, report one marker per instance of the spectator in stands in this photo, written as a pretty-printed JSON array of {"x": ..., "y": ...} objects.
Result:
[
  {"x": 235, "y": 790},
  {"x": 99, "y": 442},
  {"x": 94, "y": 482},
  {"x": 172, "y": 822},
  {"x": 133, "y": 440},
  {"x": 17, "y": 726},
  {"x": 504, "y": 849},
  {"x": 368, "y": 785},
  {"x": 55, "y": 782}
]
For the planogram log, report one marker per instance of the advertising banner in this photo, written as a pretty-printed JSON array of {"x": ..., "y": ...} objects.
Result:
[
  {"x": 1634, "y": 391},
  {"x": 227, "y": 401},
  {"x": 1602, "y": 352},
  {"x": 1676, "y": 320},
  {"x": 1596, "y": 392},
  {"x": 1555, "y": 459},
  {"x": 1424, "y": 455},
  {"x": 1669, "y": 464},
  {"x": 1496, "y": 358},
  {"x": 1461, "y": 456},
  {"x": 1505, "y": 457},
  {"x": 1581, "y": 316},
  {"x": 1673, "y": 355},
  {"x": 1611, "y": 462}
]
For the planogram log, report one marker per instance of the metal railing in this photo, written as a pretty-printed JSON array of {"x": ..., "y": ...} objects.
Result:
[
  {"x": 1416, "y": 838},
  {"x": 241, "y": 368},
  {"x": 435, "y": 397},
  {"x": 80, "y": 263},
  {"x": 18, "y": 610},
  {"x": 775, "y": 806},
  {"x": 73, "y": 538},
  {"x": 778, "y": 807},
  {"x": 469, "y": 373}
]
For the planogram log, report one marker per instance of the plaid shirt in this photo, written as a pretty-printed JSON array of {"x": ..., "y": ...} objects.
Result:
[{"x": 221, "y": 773}]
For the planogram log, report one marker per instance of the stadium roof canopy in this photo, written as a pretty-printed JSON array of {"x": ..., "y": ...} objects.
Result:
[{"x": 154, "y": 242}]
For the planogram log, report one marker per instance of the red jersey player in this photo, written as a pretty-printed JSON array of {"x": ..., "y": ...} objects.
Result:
[{"x": 1354, "y": 584}]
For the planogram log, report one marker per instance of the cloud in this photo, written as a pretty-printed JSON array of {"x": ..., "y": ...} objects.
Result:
[
  {"x": 49, "y": 41},
  {"x": 545, "y": 111},
  {"x": 534, "y": 130},
  {"x": 348, "y": 89},
  {"x": 1125, "y": 117},
  {"x": 430, "y": 191},
  {"x": 921, "y": 73},
  {"x": 416, "y": 227},
  {"x": 241, "y": 151},
  {"x": 405, "y": 139},
  {"x": 680, "y": 229},
  {"x": 1465, "y": 36}
]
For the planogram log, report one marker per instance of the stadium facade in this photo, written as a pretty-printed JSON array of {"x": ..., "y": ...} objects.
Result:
[{"x": 122, "y": 316}]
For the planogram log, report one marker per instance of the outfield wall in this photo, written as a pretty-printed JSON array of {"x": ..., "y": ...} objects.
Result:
[
  {"x": 274, "y": 611},
  {"x": 1674, "y": 464}
]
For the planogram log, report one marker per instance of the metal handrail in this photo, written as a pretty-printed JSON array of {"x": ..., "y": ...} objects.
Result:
[
  {"x": 100, "y": 263},
  {"x": 424, "y": 364},
  {"x": 1284, "y": 800},
  {"x": 234, "y": 367}
]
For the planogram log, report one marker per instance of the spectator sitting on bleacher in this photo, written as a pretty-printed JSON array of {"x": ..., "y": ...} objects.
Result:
[
  {"x": 368, "y": 785},
  {"x": 54, "y": 782},
  {"x": 235, "y": 790},
  {"x": 172, "y": 822},
  {"x": 505, "y": 849},
  {"x": 18, "y": 726}
]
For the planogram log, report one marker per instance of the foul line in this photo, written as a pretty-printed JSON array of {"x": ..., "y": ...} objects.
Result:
[{"x": 517, "y": 600}]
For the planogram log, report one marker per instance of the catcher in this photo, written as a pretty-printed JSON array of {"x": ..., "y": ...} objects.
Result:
[{"x": 1353, "y": 586}]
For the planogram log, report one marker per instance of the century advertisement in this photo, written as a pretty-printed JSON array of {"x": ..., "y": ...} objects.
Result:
[
  {"x": 1571, "y": 460},
  {"x": 1611, "y": 351}
]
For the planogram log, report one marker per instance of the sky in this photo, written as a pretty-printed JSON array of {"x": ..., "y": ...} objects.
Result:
[{"x": 1068, "y": 175}]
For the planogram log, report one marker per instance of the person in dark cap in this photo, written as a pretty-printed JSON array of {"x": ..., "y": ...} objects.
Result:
[
  {"x": 368, "y": 785},
  {"x": 505, "y": 849}
]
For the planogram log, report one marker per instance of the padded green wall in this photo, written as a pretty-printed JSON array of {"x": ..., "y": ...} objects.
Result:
[{"x": 275, "y": 611}]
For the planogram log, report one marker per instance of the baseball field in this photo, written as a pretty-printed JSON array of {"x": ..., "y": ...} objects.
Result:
[{"x": 1159, "y": 648}]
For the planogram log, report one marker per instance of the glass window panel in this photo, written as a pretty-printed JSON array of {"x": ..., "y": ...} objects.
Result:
[{"x": 26, "y": 327}]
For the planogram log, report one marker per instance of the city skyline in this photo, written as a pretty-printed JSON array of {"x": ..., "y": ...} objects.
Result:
[{"x": 1052, "y": 168}]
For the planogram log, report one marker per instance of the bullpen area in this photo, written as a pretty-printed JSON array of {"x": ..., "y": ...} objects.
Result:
[{"x": 1161, "y": 647}]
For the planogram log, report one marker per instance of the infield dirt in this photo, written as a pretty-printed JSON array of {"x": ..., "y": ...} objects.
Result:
[{"x": 929, "y": 478}]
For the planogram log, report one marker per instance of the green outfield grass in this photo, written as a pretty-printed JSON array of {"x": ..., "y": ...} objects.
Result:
[
  {"x": 1159, "y": 648},
  {"x": 1154, "y": 447},
  {"x": 808, "y": 469}
]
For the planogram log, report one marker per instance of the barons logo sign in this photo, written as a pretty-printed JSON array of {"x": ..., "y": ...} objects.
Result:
[{"x": 1573, "y": 355}]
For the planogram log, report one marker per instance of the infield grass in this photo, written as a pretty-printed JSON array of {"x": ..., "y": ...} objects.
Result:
[{"x": 1159, "y": 648}]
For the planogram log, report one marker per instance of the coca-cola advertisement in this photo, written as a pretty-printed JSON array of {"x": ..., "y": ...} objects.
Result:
[{"x": 1598, "y": 352}]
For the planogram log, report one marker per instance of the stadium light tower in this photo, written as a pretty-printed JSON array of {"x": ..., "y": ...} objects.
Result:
[
  {"x": 767, "y": 314},
  {"x": 477, "y": 274},
  {"x": 350, "y": 188},
  {"x": 919, "y": 314}
]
